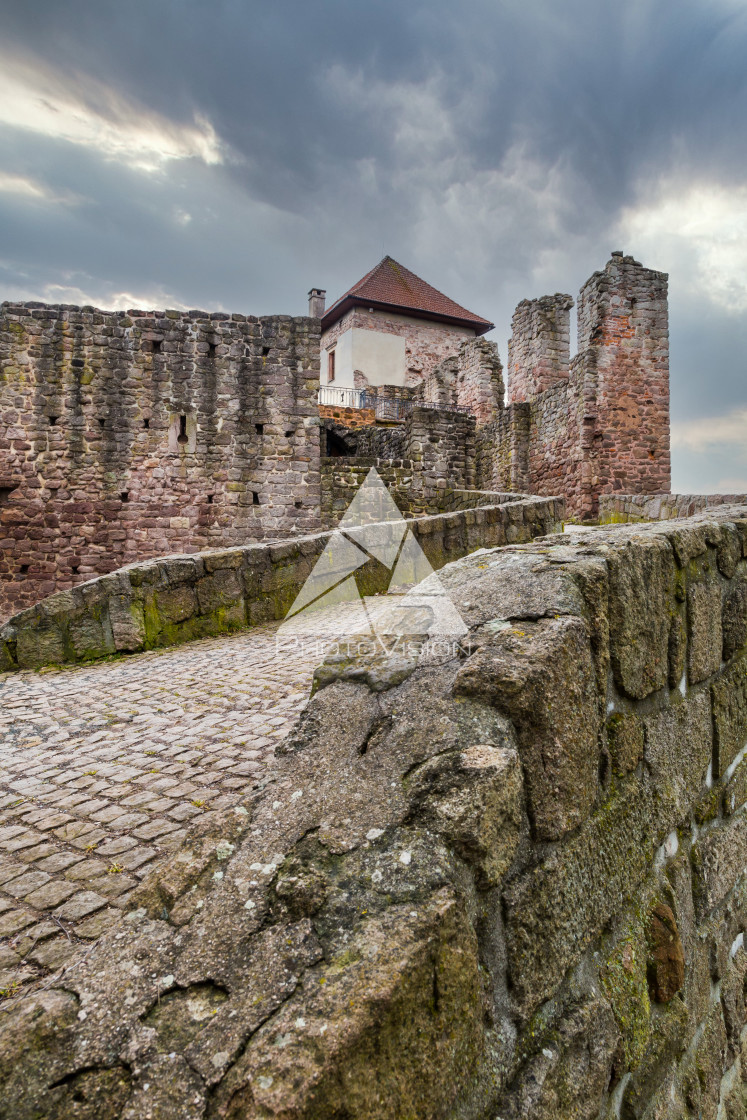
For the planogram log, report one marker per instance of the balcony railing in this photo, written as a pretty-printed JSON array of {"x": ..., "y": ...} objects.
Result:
[{"x": 340, "y": 398}]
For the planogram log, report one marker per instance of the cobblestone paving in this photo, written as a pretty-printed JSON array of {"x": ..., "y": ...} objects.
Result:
[{"x": 103, "y": 767}]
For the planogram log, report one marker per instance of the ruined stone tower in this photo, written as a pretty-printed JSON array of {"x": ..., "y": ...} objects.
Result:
[{"x": 599, "y": 423}]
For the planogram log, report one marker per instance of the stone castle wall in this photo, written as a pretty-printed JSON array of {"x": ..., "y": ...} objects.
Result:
[
  {"x": 176, "y": 599},
  {"x": 526, "y": 899},
  {"x": 129, "y": 435}
]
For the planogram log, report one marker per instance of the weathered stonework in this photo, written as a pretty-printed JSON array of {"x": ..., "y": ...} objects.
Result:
[
  {"x": 619, "y": 509},
  {"x": 179, "y": 598},
  {"x": 129, "y": 435},
  {"x": 471, "y": 379},
  {"x": 599, "y": 423},
  {"x": 413, "y": 945},
  {"x": 539, "y": 350}
]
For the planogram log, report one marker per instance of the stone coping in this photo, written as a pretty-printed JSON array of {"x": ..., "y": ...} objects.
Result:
[
  {"x": 178, "y": 598},
  {"x": 624, "y": 508}
]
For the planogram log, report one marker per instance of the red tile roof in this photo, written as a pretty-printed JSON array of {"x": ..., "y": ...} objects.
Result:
[{"x": 391, "y": 287}]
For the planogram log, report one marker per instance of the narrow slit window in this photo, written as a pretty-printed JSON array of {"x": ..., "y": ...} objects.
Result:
[
  {"x": 182, "y": 437},
  {"x": 146, "y": 422},
  {"x": 330, "y": 366},
  {"x": 156, "y": 346},
  {"x": 259, "y": 429},
  {"x": 210, "y": 499},
  {"x": 53, "y": 419},
  {"x": 255, "y": 498},
  {"x": 265, "y": 351},
  {"x": 212, "y": 347},
  {"x": 124, "y": 496}
]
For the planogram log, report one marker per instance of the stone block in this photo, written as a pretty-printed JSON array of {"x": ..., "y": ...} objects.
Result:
[
  {"x": 641, "y": 607},
  {"x": 42, "y": 644},
  {"x": 474, "y": 798},
  {"x": 625, "y": 740},
  {"x": 719, "y": 858},
  {"x": 485, "y": 588},
  {"x": 702, "y": 1075},
  {"x": 734, "y": 619},
  {"x": 696, "y": 991},
  {"x": 557, "y": 908},
  {"x": 666, "y": 958},
  {"x": 735, "y": 793},
  {"x": 704, "y": 630},
  {"x": 678, "y": 752},
  {"x": 728, "y": 549},
  {"x": 90, "y": 636},
  {"x": 541, "y": 675},
  {"x": 127, "y": 620},
  {"x": 176, "y": 604},
  {"x": 568, "y": 1078},
  {"x": 729, "y": 697},
  {"x": 227, "y": 558},
  {"x": 221, "y": 589},
  {"x": 666, "y": 1042}
]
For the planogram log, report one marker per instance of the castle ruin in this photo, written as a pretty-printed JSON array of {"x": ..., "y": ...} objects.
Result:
[
  {"x": 504, "y": 878},
  {"x": 131, "y": 435}
]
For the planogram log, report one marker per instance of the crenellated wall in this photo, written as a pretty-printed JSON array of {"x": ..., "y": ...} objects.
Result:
[{"x": 128, "y": 435}]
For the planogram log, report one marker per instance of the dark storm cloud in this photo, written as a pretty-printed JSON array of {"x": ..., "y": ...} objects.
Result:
[{"x": 495, "y": 147}]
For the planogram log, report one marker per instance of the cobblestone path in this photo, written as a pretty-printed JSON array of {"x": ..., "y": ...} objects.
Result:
[{"x": 103, "y": 767}]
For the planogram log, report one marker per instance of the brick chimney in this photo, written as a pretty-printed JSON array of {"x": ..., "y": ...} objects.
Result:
[{"x": 317, "y": 301}]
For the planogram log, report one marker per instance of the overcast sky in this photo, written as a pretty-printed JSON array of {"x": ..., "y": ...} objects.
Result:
[{"x": 231, "y": 154}]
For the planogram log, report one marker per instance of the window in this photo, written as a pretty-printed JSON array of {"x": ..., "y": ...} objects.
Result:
[
  {"x": 330, "y": 366},
  {"x": 182, "y": 437}
]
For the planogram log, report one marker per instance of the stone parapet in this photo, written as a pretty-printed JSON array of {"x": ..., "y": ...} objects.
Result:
[
  {"x": 183, "y": 597},
  {"x": 126, "y": 435},
  {"x": 620, "y": 508},
  {"x": 506, "y": 881}
]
